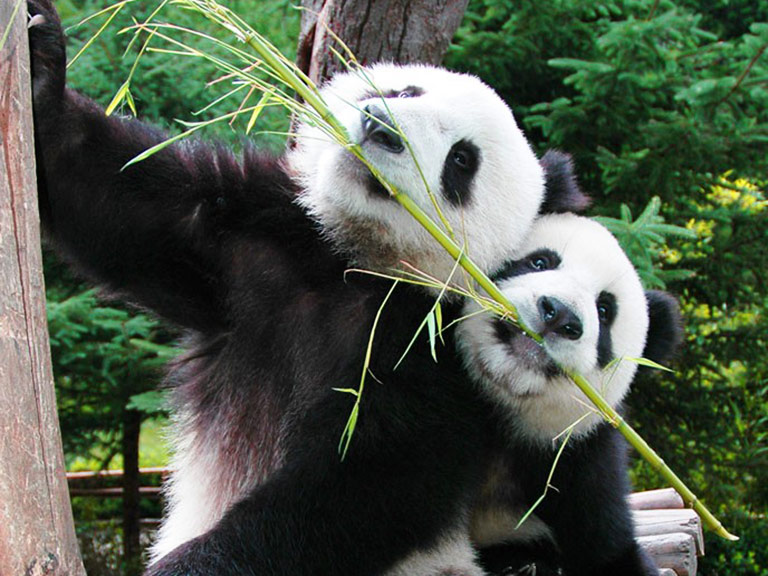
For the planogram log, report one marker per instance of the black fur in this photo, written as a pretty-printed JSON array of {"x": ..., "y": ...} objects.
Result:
[
  {"x": 587, "y": 513},
  {"x": 604, "y": 340},
  {"x": 562, "y": 192},
  {"x": 665, "y": 332},
  {"x": 538, "y": 261},
  {"x": 459, "y": 169}
]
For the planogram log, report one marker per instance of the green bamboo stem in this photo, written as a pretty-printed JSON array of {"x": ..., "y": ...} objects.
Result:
[
  {"x": 308, "y": 91},
  {"x": 650, "y": 456}
]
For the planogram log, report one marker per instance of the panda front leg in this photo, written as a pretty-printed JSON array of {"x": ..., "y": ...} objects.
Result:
[
  {"x": 452, "y": 555},
  {"x": 153, "y": 232},
  {"x": 591, "y": 521}
]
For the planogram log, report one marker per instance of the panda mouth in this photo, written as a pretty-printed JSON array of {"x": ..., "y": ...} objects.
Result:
[
  {"x": 376, "y": 188},
  {"x": 527, "y": 352}
]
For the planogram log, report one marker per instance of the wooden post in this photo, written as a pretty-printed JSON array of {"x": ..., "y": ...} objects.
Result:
[{"x": 37, "y": 535}]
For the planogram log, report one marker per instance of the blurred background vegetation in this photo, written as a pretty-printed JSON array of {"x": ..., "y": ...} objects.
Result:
[{"x": 664, "y": 106}]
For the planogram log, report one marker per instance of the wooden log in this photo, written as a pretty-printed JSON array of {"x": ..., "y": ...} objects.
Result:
[
  {"x": 656, "y": 522},
  {"x": 672, "y": 551},
  {"x": 37, "y": 534},
  {"x": 664, "y": 498}
]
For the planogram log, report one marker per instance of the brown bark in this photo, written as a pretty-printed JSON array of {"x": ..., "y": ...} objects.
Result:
[
  {"x": 36, "y": 530},
  {"x": 376, "y": 30},
  {"x": 131, "y": 493}
]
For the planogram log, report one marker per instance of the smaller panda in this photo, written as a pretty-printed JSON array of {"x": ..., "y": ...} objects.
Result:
[{"x": 571, "y": 283}]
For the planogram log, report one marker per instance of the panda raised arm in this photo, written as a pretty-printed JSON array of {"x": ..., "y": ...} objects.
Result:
[
  {"x": 154, "y": 233},
  {"x": 571, "y": 283}
]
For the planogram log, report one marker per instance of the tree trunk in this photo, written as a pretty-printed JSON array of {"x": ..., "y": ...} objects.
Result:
[
  {"x": 37, "y": 534},
  {"x": 131, "y": 494},
  {"x": 376, "y": 30}
]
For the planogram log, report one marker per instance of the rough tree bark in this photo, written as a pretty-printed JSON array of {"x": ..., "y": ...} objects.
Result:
[
  {"x": 376, "y": 30},
  {"x": 37, "y": 534}
]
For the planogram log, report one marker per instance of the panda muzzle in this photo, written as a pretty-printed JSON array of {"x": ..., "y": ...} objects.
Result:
[{"x": 379, "y": 129}]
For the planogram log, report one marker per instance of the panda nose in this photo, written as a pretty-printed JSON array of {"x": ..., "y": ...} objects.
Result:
[
  {"x": 559, "y": 319},
  {"x": 378, "y": 128}
]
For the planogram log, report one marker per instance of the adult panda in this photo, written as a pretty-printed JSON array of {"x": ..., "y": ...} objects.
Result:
[
  {"x": 572, "y": 284},
  {"x": 248, "y": 256}
]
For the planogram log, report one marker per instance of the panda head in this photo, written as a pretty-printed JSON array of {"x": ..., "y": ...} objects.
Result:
[
  {"x": 571, "y": 283},
  {"x": 468, "y": 152}
]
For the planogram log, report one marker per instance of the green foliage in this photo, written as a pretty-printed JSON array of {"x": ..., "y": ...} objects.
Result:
[
  {"x": 748, "y": 556},
  {"x": 102, "y": 356},
  {"x": 639, "y": 92},
  {"x": 644, "y": 241},
  {"x": 165, "y": 89}
]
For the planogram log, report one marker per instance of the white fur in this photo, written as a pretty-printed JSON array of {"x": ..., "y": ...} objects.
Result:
[
  {"x": 453, "y": 555},
  {"x": 497, "y": 525},
  {"x": 207, "y": 479},
  {"x": 507, "y": 189},
  {"x": 592, "y": 262}
]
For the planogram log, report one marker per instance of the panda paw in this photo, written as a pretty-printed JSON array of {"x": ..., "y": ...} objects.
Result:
[
  {"x": 532, "y": 569},
  {"x": 47, "y": 54}
]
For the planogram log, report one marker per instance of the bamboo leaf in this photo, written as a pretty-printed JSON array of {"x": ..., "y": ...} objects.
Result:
[
  {"x": 432, "y": 336},
  {"x": 439, "y": 319},
  {"x": 649, "y": 364},
  {"x": 131, "y": 103},
  {"x": 257, "y": 110},
  {"x": 118, "y": 98},
  {"x": 346, "y": 391}
]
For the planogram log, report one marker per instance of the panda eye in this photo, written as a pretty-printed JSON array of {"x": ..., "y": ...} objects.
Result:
[
  {"x": 407, "y": 92},
  {"x": 606, "y": 308},
  {"x": 463, "y": 158},
  {"x": 541, "y": 261}
]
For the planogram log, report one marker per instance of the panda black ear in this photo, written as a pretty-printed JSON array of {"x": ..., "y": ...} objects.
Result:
[
  {"x": 665, "y": 327},
  {"x": 561, "y": 189}
]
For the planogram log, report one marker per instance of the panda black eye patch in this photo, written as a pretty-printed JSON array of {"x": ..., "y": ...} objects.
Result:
[
  {"x": 606, "y": 308},
  {"x": 407, "y": 92},
  {"x": 459, "y": 169},
  {"x": 543, "y": 260},
  {"x": 538, "y": 261}
]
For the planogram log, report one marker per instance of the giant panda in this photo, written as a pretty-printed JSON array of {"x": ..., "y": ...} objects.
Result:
[
  {"x": 571, "y": 283},
  {"x": 248, "y": 256}
]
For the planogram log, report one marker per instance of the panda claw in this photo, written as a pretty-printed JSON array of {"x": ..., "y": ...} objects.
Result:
[{"x": 36, "y": 20}]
